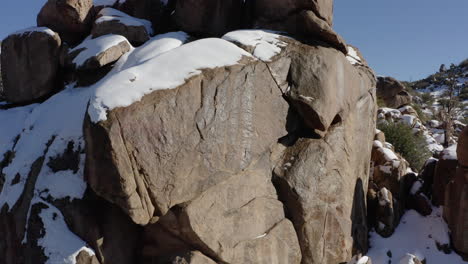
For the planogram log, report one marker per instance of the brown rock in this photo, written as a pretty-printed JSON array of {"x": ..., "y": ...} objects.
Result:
[
  {"x": 70, "y": 18},
  {"x": 112, "y": 21},
  {"x": 208, "y": 17},
  {"x": 392, "y": 92},
  {"x": 32, "y": 57},
  {"x": 326, "y": 92},
  {"x": 444, "y": 173},
  {"x": 456, "y": 210},
  {"x": 380, "y": 136},
  {"x": 462, "y": 148}
]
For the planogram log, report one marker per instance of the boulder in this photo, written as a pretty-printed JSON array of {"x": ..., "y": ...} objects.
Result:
[
  {"x": 95, "y": 53},
  {"x": 386, "y": 215},
  {"x": 279, "y": 10},
  {"x": 70, "y": 18},
  {"x": 32, "y": 56},
  {"x": 392, "y": 92},
  {"x": 462, "y": 149},
  {"x": 444, "y": 173},
  {"x": 111, "y": 21},
  {"x": 85, "y": 258},
  {"x": 321, "y": 99},
  {"x": 308, "y": 25},
  {"x": 208, "y": 17},
  {"x": 321, "y": 185}
]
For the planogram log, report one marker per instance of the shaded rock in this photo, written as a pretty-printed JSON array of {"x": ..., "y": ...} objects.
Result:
[
  {"x": 278, "y": 10},
  {"x": 208, "y": 17},
  {"x": 112, "y": 21},
  {"x": 33, "y": 59},
  {"x": 427, "y": 175},
  {"x": 444, "y": 173},
  {"x": 462, "y": 148},
  {"x": 159, "y": 12},
  {"x": 70, "y": 18},
  {"x": 392, "y": 92},
  {"x": 96, "y": 53}
]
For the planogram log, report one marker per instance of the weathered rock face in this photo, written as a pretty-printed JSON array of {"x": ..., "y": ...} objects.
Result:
[
  {"x": 208, "y": 17},
  {"x": 456, "y": 201},
  {"x": 70, "y": 18},
  {"x": 32, "y": 57},
  {"x": 392, "y": 92},
  {"x": 462, "y": 149}
]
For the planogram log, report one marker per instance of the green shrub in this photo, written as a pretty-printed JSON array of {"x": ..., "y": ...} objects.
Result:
[
  {"x": 422, "y": 116},
  {"x": 380, "y": 102},
  {"x": 427, "y": 98},
  {"x": 411, "y": 146}
]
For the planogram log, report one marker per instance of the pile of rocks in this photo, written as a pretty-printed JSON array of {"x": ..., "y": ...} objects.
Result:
[{"x": 250, "y": 155}]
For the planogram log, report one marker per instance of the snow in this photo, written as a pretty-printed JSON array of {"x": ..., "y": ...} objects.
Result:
[
  {"x": 407, "y": 259},
  {"x": 359, "y": 260},
  {"x": 417, "y": 185},
  {"x": 59, "y": 243},
  {"x": 450, "y": 153},
  {"x": 60, "y": 116},
  {"x": 12, "y": 123},
  {"x": 389, "y": 154},
  {"x": 385, "y": 169},
  {"x": 111, "y": 14},
  {"x": 385, "y": 198},
  {"x": 377, "y": 144},
  {"x": 352, "y": 56},
  {"x": 34, "y": 29},
  {"x": 408, "y": 120},
  {"x": 266, "y": 44},
  {"x": 94, "y": 47},
  {"x": 165, "y": 71},
  {"x": 416, "y": 235}
]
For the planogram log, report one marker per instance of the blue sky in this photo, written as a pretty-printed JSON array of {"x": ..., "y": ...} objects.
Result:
[{"x": 407, "y": 39}]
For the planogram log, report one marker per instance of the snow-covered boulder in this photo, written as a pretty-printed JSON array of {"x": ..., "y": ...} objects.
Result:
[
  {"x": 112, "y": 21},
  {"x": 95, "y": 53}
]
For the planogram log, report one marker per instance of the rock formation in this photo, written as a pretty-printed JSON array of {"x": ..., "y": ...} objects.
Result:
[
  {"x": 456, "y": 197},
  {"x": 250, "y": 148},
  {"x": 392, "y": 92}
]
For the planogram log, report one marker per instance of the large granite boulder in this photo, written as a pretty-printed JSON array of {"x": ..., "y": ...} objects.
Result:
[
  {"x": 32, "y": 56},
  {"x": 70, "y": 18},
  {"x": 392, "y": 92}
]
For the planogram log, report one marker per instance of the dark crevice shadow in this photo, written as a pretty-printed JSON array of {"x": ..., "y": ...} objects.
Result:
[{"x": 359, "y": 229}]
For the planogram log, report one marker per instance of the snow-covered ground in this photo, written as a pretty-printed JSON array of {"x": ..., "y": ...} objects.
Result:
[{"x": 416, "y": 235}]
